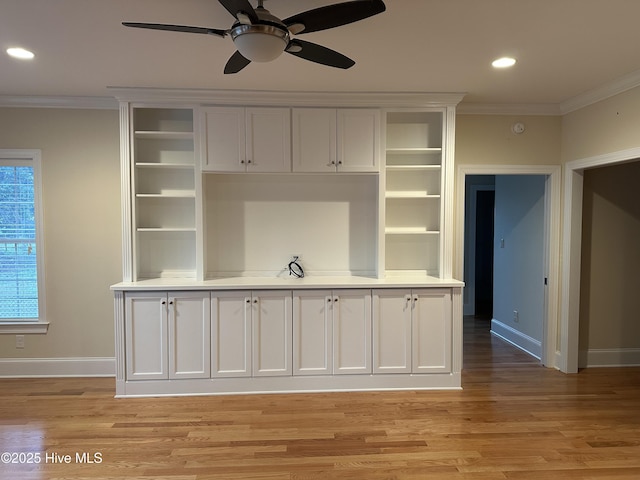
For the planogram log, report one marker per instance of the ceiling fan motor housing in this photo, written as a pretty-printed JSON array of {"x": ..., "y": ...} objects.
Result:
[{"x": 261, "y": 42}]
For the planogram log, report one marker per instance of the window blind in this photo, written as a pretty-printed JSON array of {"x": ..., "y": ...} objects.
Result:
[{"x": 18, "y": 255}]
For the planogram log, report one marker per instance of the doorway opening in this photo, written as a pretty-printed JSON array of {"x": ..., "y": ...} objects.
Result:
[{"x": 508, "y": 242}]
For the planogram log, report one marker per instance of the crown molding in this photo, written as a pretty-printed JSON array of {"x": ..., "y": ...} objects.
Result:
[
  {"x": 99, "y": 103},
  {"x": 267, "y": 97},
  {"x": 337, "y": 99},
  {"x": 508, "y": 109},
  {"x": 609, "y": 89}
]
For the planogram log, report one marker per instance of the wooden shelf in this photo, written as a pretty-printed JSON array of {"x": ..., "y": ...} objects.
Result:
[
  {"x": 414, "y": 151},
  {"x": 414, "y": 167},
  {"x": 169, "y": 194},
  {"x": 164, "y": 165},
  {"x": 409, "y": 194},
  {"x": 409, "y": 231},
  {"x": 162, "y": 135},
  {"x": 165, "y": 229}
]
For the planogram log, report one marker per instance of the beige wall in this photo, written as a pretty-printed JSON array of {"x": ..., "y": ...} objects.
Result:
[
  {"x": 608, "y": 126},
  {"x": 82, "y": 226},
  {"x": 611, "y": 230},
  {"x": 610, "y": 258},
  {"x": 487, "y": 139}
]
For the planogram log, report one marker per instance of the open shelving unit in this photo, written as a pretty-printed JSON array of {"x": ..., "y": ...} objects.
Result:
[
  {"x": 164, "y": 196},
  {"x": 182, "y": 220},
  {"x": 412, "y": 192}
]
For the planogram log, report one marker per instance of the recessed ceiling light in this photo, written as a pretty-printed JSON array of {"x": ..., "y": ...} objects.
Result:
[
  {"x": 504, "y": 62},
  {"x": 20, "y": 53}
]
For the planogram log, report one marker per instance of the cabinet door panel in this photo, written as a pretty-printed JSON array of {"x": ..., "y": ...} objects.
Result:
[
  {"x": 268, "y": 143},
  {"x": 146, "y": 336},
  {"x": 224, "y": 139},
  {"x": 392, "y": 331},
  {"x": 312, "y": 332},
  {"x": 358, "y": 140},
  {"x": 352, "y": 331},
  {"x": 431, "y": 331},
  {"x": 189, "y": 334},
  {"x": 231, "y": 334},
  {"x": 314, "y": 140},
  {"x": 272, "y": 325}
]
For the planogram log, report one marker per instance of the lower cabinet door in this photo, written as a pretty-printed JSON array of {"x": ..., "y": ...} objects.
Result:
[
  {"x": 312, "y": 332},
  {"x": 271, "y": 313},
  {"x": 351, "y": 331},
  {"x": 189, "y": 334},
  {"x": 231, "y": 334},
  {"x": 146, "y": 336},
  {"x": 392, "y": 331},
  {"x": 431, "y": 324}
]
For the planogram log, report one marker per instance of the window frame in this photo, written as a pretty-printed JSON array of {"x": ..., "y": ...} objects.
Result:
[{"x": 31, "y": 158}]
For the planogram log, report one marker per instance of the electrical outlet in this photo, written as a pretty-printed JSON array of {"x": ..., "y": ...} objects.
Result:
[
  {"x": 516, "y": 316},
  {"x": 19, "y": 341}
]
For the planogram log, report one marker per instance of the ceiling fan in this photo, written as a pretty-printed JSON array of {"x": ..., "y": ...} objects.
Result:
[{"x": 260, "y": 36}]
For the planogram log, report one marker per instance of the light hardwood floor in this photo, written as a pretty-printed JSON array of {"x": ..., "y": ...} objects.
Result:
[{"x": 513, "y": 420}]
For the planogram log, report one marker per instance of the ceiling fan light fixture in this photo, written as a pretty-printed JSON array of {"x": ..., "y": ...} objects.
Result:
[{"x": 260, "y": 43}]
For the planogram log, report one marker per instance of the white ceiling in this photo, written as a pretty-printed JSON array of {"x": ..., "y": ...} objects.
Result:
[{"x": 564, "y": 48}]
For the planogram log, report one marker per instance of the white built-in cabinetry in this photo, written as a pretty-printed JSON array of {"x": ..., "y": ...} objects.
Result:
[
  {"x": 164, "y": 204},
  {"x": 332, "y": 332},
  {"x": 226, "y": 340},
  {"x": 251, "y": 333},
  {"x": 412, "y": 330},
  {"x": 237, "y": 139},
  {"x": 329, "y": 140},
  {"x": 413, "y": 192},
  {"x": 167, "y": 335},
  {"x": 219, "y": 192}
]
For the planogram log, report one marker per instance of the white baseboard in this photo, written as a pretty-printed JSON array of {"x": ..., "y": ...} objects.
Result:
[
  {"x": 517, "y": 339},
  {"x": 612, "y": 357},
  {"x": 58, "y": 367}
]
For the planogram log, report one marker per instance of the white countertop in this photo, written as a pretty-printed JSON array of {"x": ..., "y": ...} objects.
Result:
[{"x": 290, "y": 283}]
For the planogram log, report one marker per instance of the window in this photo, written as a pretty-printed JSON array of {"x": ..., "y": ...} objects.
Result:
[{"x": 21, "y": 255}]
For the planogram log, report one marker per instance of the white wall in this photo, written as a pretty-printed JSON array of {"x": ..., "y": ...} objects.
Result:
[{"x": 519, "y": 260}]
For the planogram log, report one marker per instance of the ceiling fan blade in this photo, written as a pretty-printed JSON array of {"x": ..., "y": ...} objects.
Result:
[
  {"x": 318, "y": 54},
  {"x": 234, "y": 7},
  {"x": 176, "y": 28},
  {"x": 236, "y": 63},
  {"x": 336, "y": 15}
]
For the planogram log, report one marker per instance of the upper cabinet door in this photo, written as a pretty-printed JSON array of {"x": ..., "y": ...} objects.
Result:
[
  {"x": 268, "y": 140},
  {"x": 358, "y": 140},
  {"x": 223, "y": 139},
  {"x": 314, "y": 140},
  {"x": 336, "y": 140}
]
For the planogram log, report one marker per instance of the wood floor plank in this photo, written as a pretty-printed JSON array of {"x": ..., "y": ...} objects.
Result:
[{"x": 513, "y": 420}]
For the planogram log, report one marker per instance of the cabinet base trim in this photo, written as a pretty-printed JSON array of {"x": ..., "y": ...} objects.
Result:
[{"x": 234, "y": 386}]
